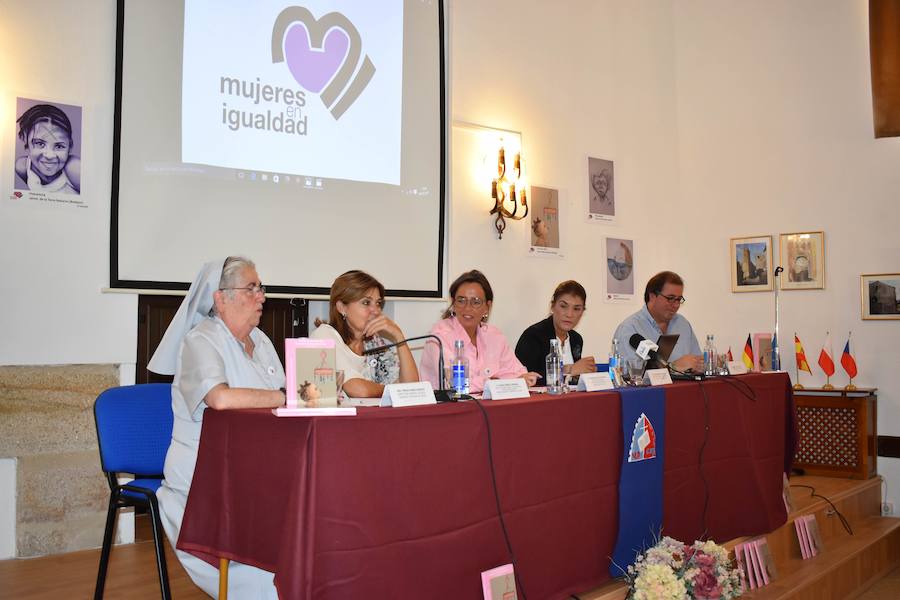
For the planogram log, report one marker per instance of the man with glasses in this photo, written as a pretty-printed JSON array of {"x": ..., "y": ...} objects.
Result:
[{"x": 663, "y": 296}]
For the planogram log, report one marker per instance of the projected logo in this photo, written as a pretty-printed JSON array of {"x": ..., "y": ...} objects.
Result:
[{"x": 323, "y": 55}]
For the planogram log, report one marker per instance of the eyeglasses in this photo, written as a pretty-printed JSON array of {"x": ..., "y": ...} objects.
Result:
[
  {"x": 462, "y": 301},
  {"x": 673, "y": 299},
  {"x": 252, "y": 288}
]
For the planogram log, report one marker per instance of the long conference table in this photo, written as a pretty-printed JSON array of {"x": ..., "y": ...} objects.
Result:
[{"x": 399, "y": 502}]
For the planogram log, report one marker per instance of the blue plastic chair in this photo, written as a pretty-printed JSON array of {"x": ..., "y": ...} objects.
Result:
[{"x": 134, "y": 429}]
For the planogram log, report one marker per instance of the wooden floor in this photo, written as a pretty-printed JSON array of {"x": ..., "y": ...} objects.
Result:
[{"x": 131, "y": 576}]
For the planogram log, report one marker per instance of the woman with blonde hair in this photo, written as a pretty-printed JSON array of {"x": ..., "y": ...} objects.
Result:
[{"x": 356, "y": 324}]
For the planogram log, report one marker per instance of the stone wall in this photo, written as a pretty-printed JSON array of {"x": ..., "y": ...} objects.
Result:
[{"x": 47, "y": 423}]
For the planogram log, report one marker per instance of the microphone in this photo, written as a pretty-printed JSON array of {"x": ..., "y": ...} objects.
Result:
[
  {"x": 442, "y": 394},
  {"x": 646, "y": 349}
]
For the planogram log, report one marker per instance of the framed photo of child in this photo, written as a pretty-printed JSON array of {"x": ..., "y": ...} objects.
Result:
[{"x": 46, "y": 158}]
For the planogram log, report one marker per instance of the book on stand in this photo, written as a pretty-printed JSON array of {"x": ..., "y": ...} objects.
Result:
[{"x": 312, "y": 385}]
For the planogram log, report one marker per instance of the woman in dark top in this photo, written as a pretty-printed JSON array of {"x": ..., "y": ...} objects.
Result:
[{"x": 566, "y": 309}]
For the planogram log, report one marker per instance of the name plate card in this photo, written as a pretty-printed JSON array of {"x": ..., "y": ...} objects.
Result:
[
  {"x": 408, "y": 394},
  {"x": 595, "y": 382},
  {"x": 736, "y": 367},
  {"x": 505, "y": 389},
  {"x": 658, "y": 376}
]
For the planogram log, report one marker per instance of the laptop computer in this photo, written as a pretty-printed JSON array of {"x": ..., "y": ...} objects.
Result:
[{"x": 666, "y": 343}]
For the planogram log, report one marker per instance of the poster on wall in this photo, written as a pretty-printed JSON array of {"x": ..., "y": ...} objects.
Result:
[
  {"x": 601, "y": 191},
  {"x": 46, "y": 153},
  {"x": 544, "y": 215},
  {"x": 619, "y": 270}
]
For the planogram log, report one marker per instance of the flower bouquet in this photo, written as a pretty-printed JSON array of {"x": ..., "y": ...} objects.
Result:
[{"x": 673, "y": 570}]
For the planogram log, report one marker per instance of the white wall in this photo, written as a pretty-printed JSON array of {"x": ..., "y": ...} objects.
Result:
[
  {"x": 599, "y": 84},
  {"x": 723, "y": 118},
  {"x": 775, "y": 135},
  {"x": 56, "y": 259}
]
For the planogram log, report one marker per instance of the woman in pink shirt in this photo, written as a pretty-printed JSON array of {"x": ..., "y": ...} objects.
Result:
[{"x": 490, "y": 357}]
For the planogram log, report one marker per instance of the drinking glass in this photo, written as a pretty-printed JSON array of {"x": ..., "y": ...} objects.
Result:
[
  {"x": 634, "y": 368},
  {"x": 722, "y": 364}
]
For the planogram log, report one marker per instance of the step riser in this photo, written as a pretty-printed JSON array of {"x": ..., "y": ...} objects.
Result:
[
  {"x": 848, "y": 565},
  {"x": 855, "y": 508},
  {"x": 856, "y": 575}
]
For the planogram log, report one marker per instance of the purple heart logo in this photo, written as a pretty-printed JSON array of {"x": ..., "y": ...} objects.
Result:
[{"x": 313, "y": 67}]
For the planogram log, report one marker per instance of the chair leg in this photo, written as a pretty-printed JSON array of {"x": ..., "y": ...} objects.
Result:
[
  {"x": 223, "y": 579},
  {"x": 158, "y": 541},
  {"x": 111, "y": 513}
]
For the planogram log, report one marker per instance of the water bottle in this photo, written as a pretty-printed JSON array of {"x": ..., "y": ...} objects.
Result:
[
  {"x": 460, "y": 370},
  {"x": 615, "y": 359},
  {"x": 709, "y": 356},
  {"x": 554, "y": 368}
]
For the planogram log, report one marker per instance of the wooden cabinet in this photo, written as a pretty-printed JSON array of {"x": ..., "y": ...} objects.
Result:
[{"x": 838, "y": 432}]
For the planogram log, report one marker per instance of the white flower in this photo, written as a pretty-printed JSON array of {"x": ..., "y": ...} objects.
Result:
[{"x": 658, "y": 582}]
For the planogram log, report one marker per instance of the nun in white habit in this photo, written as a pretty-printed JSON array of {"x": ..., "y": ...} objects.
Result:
[{"x": 220, "y": 360}]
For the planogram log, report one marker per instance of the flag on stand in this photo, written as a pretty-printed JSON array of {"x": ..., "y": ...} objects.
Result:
[
  {"x": 825, "y": 360},
  {"x": 776, "y": 355},
  {"x": 847, "y": 360},
  {"x": 802, "y": 364},
  {"x": 729, "y": 356},
  {"x": 748, "y": 353}
]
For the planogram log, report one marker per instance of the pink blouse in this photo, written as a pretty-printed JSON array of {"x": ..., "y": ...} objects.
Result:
[{"x": 494, "y": 359}]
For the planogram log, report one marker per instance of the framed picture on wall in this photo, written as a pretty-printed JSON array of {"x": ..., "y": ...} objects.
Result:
[
  {"x": 803, "y": 258},
  {"x": 619, "y": 270},
  {"x": 880, "y": 296},
  {"x": 601, "y": 192},
  {"x": 751, "y": 264},
  {"x": 545, "y": 233}
]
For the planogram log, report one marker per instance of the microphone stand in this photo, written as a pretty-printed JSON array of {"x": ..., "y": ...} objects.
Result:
[
  {"x": 776, "y": 348},
  {"x": 440, "y": 395}
]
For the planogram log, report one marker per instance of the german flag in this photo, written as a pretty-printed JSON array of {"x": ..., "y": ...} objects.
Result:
[{"x": 748, "y": 354}]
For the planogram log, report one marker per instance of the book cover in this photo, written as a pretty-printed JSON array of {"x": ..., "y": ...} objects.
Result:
[
  {"x": 311, "y": 379},
  {"x": 804, "y": 537},
  {"x": 758, "y": 566},
  {"x": 786, "y": 494},
  {"x": 742, "y": 568},
  {"x": 766, "y": 561},
  {"x": 751, "y": 568},
  {"x": 815, "y": 536},
  {"x": 804, "y": 551},
  {"x": 499, "y": 583}
]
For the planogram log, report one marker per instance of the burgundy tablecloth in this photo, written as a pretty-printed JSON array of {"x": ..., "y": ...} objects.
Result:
[{"x": 398, "y": 503}]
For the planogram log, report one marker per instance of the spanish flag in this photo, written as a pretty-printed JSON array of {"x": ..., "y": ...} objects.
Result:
[
  {"x": 847, "y": 361},
  {"x": 748, "y": 354},
  {"x": 802, "y": 365}
]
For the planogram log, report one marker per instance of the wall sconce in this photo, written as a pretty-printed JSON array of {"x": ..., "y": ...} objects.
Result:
[{"x": 503, "y": 191}]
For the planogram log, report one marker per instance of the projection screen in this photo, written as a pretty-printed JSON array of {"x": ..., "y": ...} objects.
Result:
[{"x": 308, "y": 136}]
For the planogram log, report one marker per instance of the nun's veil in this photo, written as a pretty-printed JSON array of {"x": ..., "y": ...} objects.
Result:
[{"x": 193, "y": 309}]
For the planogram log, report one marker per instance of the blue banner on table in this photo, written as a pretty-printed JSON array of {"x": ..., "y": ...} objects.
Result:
[{"x": 641, "y": 478}]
